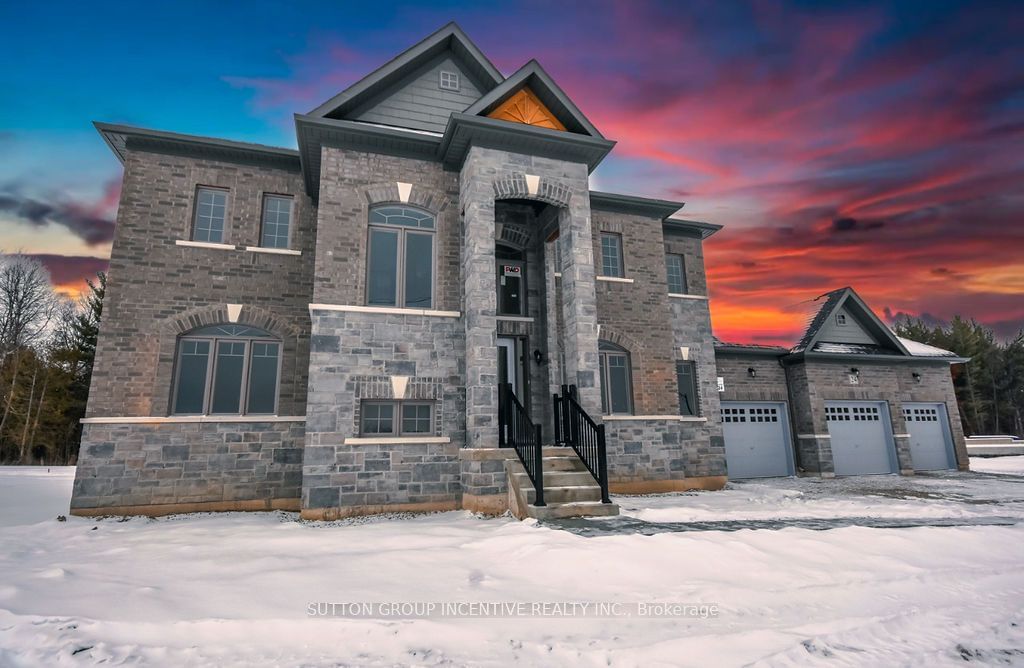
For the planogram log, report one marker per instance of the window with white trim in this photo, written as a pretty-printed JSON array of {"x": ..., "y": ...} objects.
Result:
[
  {"x": 277, "y": 221},
  {"x": 400, "y": 258},
  {"x": 449, "y": 80},
  {"x": 611, "y": 255},
  {"x": 226, "y": 370},
  {"x": 841, "y": 319},
  {"x": 675, "y": 270},
  {"x": 211, "y": 207}
]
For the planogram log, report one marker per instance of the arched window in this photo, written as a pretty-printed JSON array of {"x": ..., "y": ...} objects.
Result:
[
  {"x": 616, "y": 379},
  {"x": 400, "y": 257},
  {"x": 226, "y": 370}
]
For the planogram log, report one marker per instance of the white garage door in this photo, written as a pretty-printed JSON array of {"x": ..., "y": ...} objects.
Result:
[
  {"x": 756, "y": 439},
  {"x": 931, "y": 448},
  {"x": 860, "y": 439}
]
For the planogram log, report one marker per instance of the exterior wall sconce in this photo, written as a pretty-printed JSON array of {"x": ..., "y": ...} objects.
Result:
[
  {"x": 854, "y": 376},
  {"x": 752, "y": 372},
  {"x": 855, "y": 370},
  {"x": 538, "y": 356},
  {"x": 917, "y": 377}
]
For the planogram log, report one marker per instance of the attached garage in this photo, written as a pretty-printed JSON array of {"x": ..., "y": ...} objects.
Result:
[
  {"x": 757, "y": 443},
  {"x": 931, "y": 445},
  {"x": 860, "y": 436}
]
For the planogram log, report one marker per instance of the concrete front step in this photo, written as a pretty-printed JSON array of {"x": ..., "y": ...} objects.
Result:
[
  {"x": 569, "y": 488},
  {"x": 559, "y": 478},
  {"x": 566, "y": 494},
  {"x": 575, "y": 509},
  {"x": 572, "y": 463}
]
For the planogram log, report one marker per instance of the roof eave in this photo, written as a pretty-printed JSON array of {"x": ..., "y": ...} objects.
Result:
[
  {"x": 751, "y": 352},
  {"x": 704, "y": 229},
  {"x": 620, "y": 203},
  {"x": 118, "y": 137}
]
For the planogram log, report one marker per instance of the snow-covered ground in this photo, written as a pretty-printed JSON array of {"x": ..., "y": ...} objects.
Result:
[
  {"x": 1013, "y": 464},
  {"x": 235, "y": 589}
]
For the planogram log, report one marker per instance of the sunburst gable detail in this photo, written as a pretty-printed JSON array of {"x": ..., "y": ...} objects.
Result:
[{"x": 525, "y": 107}]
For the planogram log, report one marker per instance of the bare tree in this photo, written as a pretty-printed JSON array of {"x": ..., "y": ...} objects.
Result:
[
  {"x": 26, "y": 302},
  {"x": 27, "y": 306}
]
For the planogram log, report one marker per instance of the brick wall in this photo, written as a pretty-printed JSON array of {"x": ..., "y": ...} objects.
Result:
[{"x": 154, "y": 283}]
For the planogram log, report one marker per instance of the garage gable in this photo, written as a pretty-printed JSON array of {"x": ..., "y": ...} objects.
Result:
[{"x": 845, "y": 324}]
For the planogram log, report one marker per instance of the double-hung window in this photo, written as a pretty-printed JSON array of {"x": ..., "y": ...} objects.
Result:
[
  {"x": 396, "y": 418},
  {"x": 616, "y": 379},
  {"x": 686, "y": 379},
  {"x": 675, "y": 270},
  {"x": 611, "y": 255},
  {"x": 227, "y": 370},
  {"x": 210, "y": 213},
  {"x": 400, "y": 265},
  {"x": 277, "y": 221}
]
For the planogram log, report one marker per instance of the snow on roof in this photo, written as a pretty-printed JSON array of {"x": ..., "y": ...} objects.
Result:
[
  {"x": 918, "y": 349},
  {"x": 852, "y": 348}
]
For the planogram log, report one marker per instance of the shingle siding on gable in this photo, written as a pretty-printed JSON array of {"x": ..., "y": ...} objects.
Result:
[
  {"x": 419, "y": 102},
  {"x": 851, "y": 332}
]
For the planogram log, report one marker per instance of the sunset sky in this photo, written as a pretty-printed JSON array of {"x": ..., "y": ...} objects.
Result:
[{"x": 877, "y": 145}]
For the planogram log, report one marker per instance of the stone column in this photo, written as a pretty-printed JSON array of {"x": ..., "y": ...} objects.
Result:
[
  {"x": 479, "y": 301},
  {"x": 579, "y": 302}
]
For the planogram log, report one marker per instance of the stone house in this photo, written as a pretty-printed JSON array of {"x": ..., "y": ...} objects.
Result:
[{"x": 356, "y": 326}]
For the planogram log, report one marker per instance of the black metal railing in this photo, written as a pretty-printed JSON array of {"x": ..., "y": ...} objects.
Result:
[
  {"x": 516, "y": 430},
  {"x": 574, "y": 428}
]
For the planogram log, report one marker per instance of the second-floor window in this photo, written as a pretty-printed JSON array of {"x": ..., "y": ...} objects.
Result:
[
  {"x": 210, "y": 214},
  {"x": 676, "y": 272},
  {"x": 400, "y": 258},
  {"x": 611, "y": 255},
  {"x": 277, "y": 221}
]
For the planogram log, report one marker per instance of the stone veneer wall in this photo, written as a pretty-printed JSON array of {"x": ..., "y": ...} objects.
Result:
[
  {"x": 354, "y": 357},
  {"x": 158, "y": 468},
  {"x": 648, "y": 456}
]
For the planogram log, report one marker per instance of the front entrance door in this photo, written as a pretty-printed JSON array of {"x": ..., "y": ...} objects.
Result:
[{"x": 508, "y": 364}]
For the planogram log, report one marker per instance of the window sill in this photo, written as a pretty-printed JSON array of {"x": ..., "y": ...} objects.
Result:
[
  {"x": 273, "y": 251},
  {"x": 679, "y": 295},
  {"x": 204, "y": 244},
  {"x": 514, "y": 318},
  {"x": 613, "y": 279},
  {"x": 390, "y": 310},
  {"x": 172, "y": 419},
  {"x": 558, "y": 274},
  {"x": 397, "y": 440},
  {"x": 653, "y": 418}
]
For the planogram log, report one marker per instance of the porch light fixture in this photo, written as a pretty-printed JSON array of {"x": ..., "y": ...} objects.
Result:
[{"x": 752, "y": 372}]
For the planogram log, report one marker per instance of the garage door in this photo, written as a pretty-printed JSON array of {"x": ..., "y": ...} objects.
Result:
[
  {"x": 860, "y": 438},
  {"x": 931, "y": 448},
  {"x": 756, "y": 439}
]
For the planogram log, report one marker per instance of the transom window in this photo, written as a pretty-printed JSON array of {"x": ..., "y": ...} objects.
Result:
[
  {"x": 616, "y": 379},
  {"x": 449, "y": 80},
  {"x": 676, "y": 273},
  {"x": 277, "y": 221},
  {"x": 210, "y": 213},
  {"x": 226, "y": 370},
  {"x": 686, "y": 380},
  {"x": 611, "y": 255},
  {"x": 400, "y": 267},
  {"x": 396, "y": 418}
]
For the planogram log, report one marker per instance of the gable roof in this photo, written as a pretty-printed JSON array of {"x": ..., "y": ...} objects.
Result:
[
  {"x": 448, "y": 38},
  {"x": 846, "y": 298},
  {"x": 532, "y": 76}
]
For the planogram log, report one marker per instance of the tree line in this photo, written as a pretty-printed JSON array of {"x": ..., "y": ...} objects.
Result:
[
  {"x": 989, "y": 388},
  {"x": 47, "y": 346}
]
